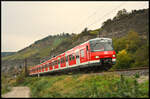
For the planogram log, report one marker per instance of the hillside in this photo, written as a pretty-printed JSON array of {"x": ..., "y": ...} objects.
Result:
[
  {"x": 137, "y": 20},
  {"x": 47, "y": 47}
]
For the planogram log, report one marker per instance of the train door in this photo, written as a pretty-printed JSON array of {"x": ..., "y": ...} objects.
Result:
[
  {"x": 87, "y": 53},
  {"x": 66, "y": 60},
  {"x": 77, "y": 57},
  {"x": 82, "y": 55}
]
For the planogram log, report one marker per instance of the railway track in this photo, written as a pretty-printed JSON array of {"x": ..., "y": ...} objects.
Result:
[
  {"x": 143, "y": 71},
  {"x": 100, "y": 71}
]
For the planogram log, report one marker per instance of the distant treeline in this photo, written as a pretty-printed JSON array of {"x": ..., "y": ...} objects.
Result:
[{"x": 7, "y": 53}]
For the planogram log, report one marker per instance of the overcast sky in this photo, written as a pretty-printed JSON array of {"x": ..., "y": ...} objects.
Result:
[{"x": 23, "y": 23}]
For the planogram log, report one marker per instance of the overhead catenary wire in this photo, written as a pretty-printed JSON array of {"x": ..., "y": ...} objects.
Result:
[
  {"x": 95, "y": 12},
  {"x": 95, "y": 22}
]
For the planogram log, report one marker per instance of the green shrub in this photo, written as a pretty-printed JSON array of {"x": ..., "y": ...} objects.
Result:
[
  {"x": 133, "y": 41},
  {"x": 141, "y": 56},
  {"x": 124, "y": 60},
  {"x": 120, "y": 44},
  {"x": 137, "y": 75}
]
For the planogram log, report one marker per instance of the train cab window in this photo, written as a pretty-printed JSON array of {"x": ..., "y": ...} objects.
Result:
[{"x": 82, "y": 52}]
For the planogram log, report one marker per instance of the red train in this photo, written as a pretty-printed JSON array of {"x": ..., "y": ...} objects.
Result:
[{"x": 93, "y": 52}]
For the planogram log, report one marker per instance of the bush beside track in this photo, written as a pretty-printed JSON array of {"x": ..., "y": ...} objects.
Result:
[{"x": 80, "y": 85}]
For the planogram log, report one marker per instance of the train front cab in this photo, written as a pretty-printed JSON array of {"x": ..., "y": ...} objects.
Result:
[{"x": 102, "y": 52}]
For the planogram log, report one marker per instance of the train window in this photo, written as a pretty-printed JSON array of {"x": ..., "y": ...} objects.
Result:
[
  {"x": 70, "y": 57},
  {"x": 73, "y": 57},
  {"x": 54, "y": 63},
  {"x": 62, "y": 60},
  {"x": 66, "y": 59},
  {"x": 86, "y": 48},
  {"x": 58, "y": 61},
  {"x": 82, "y": 52},
  {"x": 46, "y": 65}
]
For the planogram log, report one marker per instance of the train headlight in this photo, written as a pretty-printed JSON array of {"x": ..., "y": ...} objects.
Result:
[
  {"x": 113, "y": 60},
  {"x": 96, "y": 56},
  {"x": 113, "y": 55}
]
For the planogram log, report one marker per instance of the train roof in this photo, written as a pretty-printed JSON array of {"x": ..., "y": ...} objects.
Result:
[{"x": 100, "y": 39}]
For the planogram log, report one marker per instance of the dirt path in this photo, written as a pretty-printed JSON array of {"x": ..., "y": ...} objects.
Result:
[
  {"x": 142, "y": 79},
  {"x": 18, "y": 92}
]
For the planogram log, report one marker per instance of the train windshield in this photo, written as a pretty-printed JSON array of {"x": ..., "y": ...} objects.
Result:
[{"x": 101, "y": 45}]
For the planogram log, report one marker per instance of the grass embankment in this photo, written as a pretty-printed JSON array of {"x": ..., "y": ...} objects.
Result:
[
  {"x": 108, "y": 85},
  {"x": 6, "y": 84}
]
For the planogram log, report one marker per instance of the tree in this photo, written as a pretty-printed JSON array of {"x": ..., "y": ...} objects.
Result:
[
  {"x": 106, "y": 22},
  {"x": 120, "y": 44},
  {"x": 124, "y": 60},
  {"x": 133, "y": 41},
  {"x": 141, "y": 56},
  {"x": 121, "y": 13},
  {"x": 85, "y": 30}
]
